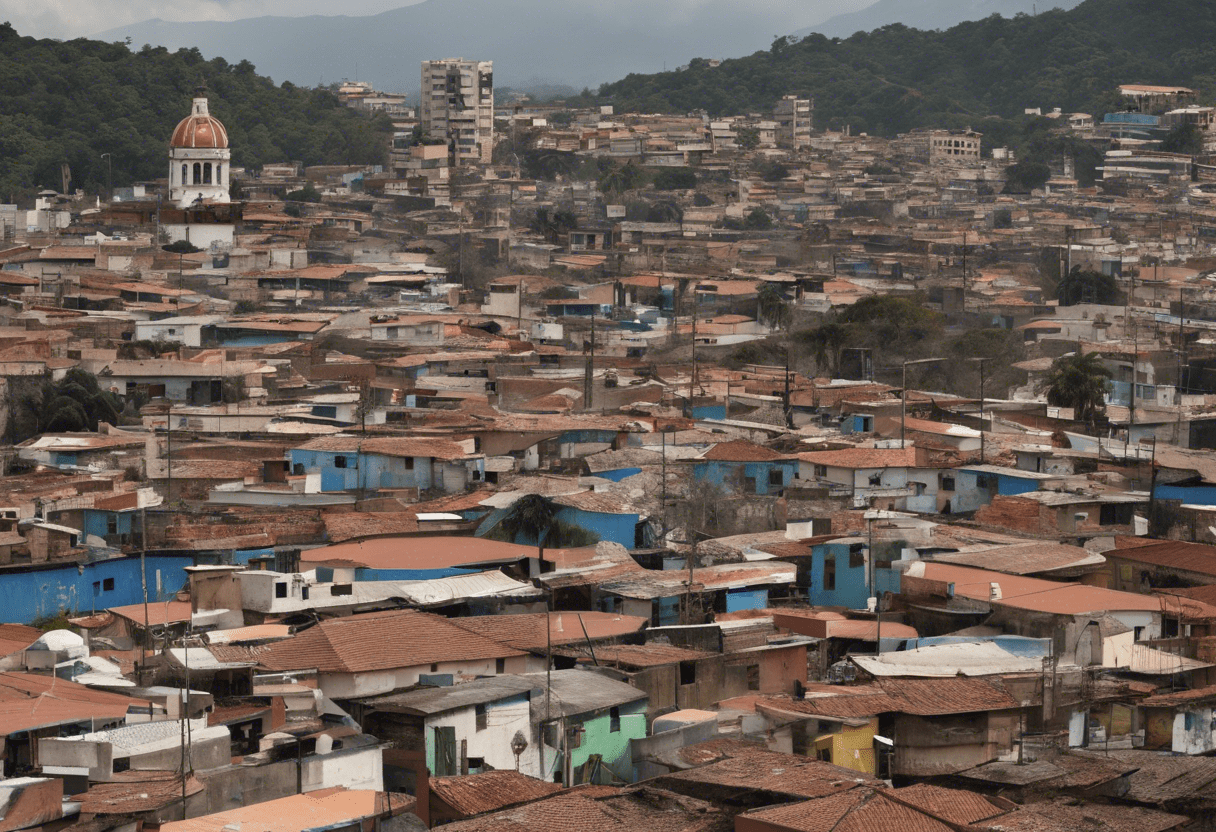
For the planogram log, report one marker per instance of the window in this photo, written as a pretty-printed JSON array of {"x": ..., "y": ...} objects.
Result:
[
  {"x": 96, "y": 587},
  {"x": 947, "y": 483},
  {"x": 500, "y": 665},
  {"x": 480, "y": 711},
  {"x": 857, "y": 557},
  {"x": 1116, "y": 515},
  {"x": 821, "y": 470},
  {"x": 342, "y": 589},
  {"x": 775, "y": 477},
  {"x": 434, "y": 668},
  {"x": 688, "y": 673},
  {"x": 219, "y": 169},
  {"x": 339, "y": 462},
  {"x": 198, "y": 174},
  {"x": 111, "y": 524},
  {"x": 876, "y": 479},
  {"x": 749, "y": 485},
  {"x": 824, "y": 754},
  {"x": 298, "y": 469},
  {"x": 304, "y": 593},
  {"x": 185, "y": 174},
  {"x": 614, "y": 721},
  {"x": 206, "y": 173},
  {"x": 280, "y": 590},
  {"x": 829, "y": 574},
  {"x": 107, "y": 585},
  {"x": 409, "y": 463},
  {"x": 753, "y": 677}
]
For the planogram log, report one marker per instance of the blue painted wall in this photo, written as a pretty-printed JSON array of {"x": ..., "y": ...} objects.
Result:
[
  {"x": 98, "y": 522},
  {"x": 709, "y": 411},
  {"x": 243, "y": 556},
  {"x": 1199, "y": 495},
  {"x": 325, "y": 574},
  {"x": 619, "y": 474},
  {"x": 618, "y": 528},
  {"x": 363, "y": 470},
  {"x": 723, "y": 473},
  {"x": 850, "y": 587},
  {"x": 33, "y": 593},
  {"x": 746, "y": 599}
]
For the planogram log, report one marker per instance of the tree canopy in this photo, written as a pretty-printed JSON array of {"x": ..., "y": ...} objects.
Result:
[
  {"x": 895, "y": 79},
  {"x": 76, "y": 403},
  {"x": 69, "y": 102},
  {"x": 1080, "y": 382}
]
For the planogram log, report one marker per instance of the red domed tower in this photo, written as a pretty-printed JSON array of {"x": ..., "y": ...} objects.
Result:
[{"x": 199, "y": 158}]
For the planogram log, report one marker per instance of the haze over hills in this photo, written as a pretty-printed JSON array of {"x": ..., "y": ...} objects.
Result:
[
  {"x": 927, "y": 14},
  {"x": 894, "y": 79},
  {"x": 573, "y": 42}
]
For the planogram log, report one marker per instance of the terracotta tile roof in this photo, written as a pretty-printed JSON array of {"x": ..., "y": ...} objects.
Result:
[
  {"x": 955, "y": 805},
  {"x": 396, "y": 446},
  {"x": 429, "y": 552},
  {"x": 29, "y": 701},
  {"x": 475, "y": 794},
  {"x": 1172, "y": 554},
  {"x": 919, "y": 697},
  {"x": 527, "y": 631},
  {"x": 740, "y": 451},
  {"x": 170, "y": 612},
  {"x": 588, "y": 809},
  {"x": 1061, "y": 816},
  {"x": 313, "y": 810},
  {"x": 648, "y": 655},
  {"x": 859, "y": 810},
  {"x": 15, "y": 637},
  {"x": 1180, "y": 698},
  {"x": 1038, "y": 594},
  {"x": 348, "y": 525},
  {"x": 856, "y": 458},
  {"x": 753, "y": 768},
  {"x": 381, "y": 641},
  {"x": 131, "y": 792}
]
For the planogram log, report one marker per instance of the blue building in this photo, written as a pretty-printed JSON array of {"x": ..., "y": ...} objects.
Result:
[
  {"x": 34, "y": 591},
  {"x": 746, "y": 468},
  {"x": 835, "y": 574},
  {"x": 353, "y": 463},
  {"x": 976, "y": 485}
]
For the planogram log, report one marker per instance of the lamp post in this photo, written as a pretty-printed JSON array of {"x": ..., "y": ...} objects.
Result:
[{"x": 903, "y": 396}]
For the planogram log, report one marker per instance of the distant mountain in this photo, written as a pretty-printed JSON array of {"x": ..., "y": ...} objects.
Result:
[
  {"x": 981, "y": 74},
  {"x": 927, "y": 14},
  {"x": 573, "y": 42}
]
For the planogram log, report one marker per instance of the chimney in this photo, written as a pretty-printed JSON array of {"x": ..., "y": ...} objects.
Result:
[{"x": 994, "y": 591}]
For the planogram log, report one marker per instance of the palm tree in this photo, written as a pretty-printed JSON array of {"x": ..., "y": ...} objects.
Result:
[
  {"x": 1080, "y": 382},
  {"x": 532, "y": 517},
  {"x": 772, "y": 307},
  {"x": 825, "y": 343}
]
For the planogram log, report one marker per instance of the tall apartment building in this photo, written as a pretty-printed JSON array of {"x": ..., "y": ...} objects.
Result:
[
  {"x": 793, "y": 116},
  {"x": 458, "y": 108}
]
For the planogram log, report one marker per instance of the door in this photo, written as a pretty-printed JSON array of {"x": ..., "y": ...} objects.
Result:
[{"x": 445, "y": 752}]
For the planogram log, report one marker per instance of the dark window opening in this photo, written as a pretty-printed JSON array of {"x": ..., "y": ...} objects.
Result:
[
  {"x": 829, "y": 574},
  {"x": 775, "y": 478},
  {"x": 480, "y": 711},
  {"x": 688, "y": 673},
  {"x": 342, "y": 589},
  {"x": 500, "y": 665},
  {"x": 821, "y": 470},
  {"x": 857, "y": 558},
  {"x": 749, "y": 485},
  {"x": 107, "y": 585},
  {"x": 947, "y": 483},
  {"x": 339, "y": 462},
  {"x": 434, "y": 668},
  {"x": 280, "y": 590},
  {"x": 1116, "y": 515},
  {"x": 614, "y": 721},
  {"x": 753, "y": 677}
]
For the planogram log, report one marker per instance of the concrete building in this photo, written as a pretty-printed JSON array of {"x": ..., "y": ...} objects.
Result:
[
  {"x": 458, "y": 108},
  {"x": 794, "y": 118},
  {"x": 954, "y": 147}
]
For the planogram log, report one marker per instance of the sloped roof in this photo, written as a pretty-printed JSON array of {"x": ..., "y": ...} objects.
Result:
[
  {"x": 314, "y": 810},
  {"x": 1172, "y": 554},
  {"x": 859, "y": 810},
  {"x": 741, "y": 451},
  {"x": 381, "y": 641},
  {"x": 422, "y": 552},
  {"x": 527, "y": 631},
  {"x": 390, "y": 446},
  {"x": 863, "y": 458},
  {"x": 920, "y": 697},
  {"x": 475, "y": 794}
]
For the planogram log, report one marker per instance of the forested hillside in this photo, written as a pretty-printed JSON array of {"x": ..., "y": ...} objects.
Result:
[
  {"x": 73, "y": 101},
  {"x": 895, "y": 78}
]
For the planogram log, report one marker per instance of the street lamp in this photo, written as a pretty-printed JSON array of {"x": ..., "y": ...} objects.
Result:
[{"x": 903, "y": 396}]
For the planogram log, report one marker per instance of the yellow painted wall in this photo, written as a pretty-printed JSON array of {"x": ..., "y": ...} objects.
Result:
[{"x": 852, "y": 748}]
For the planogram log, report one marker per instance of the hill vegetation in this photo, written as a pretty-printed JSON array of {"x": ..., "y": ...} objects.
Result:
[
  {"x": 981, "y": 74},
  {"x": 69, "y": 102}
]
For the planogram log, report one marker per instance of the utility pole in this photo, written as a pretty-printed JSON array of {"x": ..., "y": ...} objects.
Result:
[
  {"x": 1178, "y": 380},
  {"x": 982, "y": 362},
  {"x": 964, "y": 271},
  {"x": 692, "y": 378},
  {"x": 786, "y": 398},
  {"x": 589, "y": 375}
]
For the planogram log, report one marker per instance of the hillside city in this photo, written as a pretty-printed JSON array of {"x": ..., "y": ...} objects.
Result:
[{"x": 589, "y": 470}]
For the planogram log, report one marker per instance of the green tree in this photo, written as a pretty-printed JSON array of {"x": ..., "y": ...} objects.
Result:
[
  {"x": 757, "y": 219},
  {"x": 675, "y": 179},
  {"x": 1026, "y": 176},
  {"x": 1080, "y": 382},
  {"x": 772, "y": 307},
  {"x": 552, "y": 225},
  {"x": 1085, "y": 286},
  {"x": 825, "y": 343},
  {"x": 748, "y": 138},
  {"x": 1185, "y": 138},
  {"x": 308, "y": 193},
  {"x": 75, "y": 403}
]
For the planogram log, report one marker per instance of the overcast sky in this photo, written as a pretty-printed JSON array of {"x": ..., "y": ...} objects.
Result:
[{"x": 83, "y": 18}]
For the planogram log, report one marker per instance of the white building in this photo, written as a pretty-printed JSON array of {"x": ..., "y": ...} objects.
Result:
[
  {"x": 458, "y": 108},
  {"x": 199, "y": 158}
]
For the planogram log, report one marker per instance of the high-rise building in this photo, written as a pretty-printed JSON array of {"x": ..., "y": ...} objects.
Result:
[
  {"x": 458, "y": 108},
  {"x": 793, "y": 116}
]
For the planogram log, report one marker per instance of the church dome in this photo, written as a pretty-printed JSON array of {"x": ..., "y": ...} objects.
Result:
[{"x": 200, "y": 129}]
